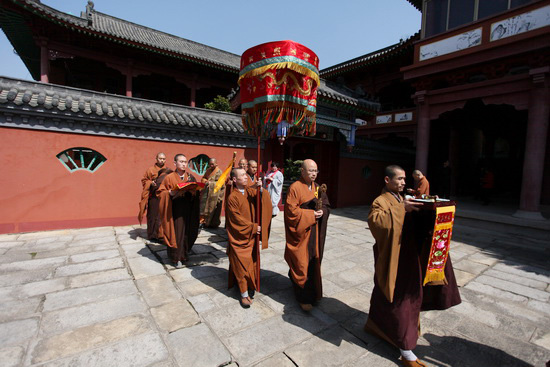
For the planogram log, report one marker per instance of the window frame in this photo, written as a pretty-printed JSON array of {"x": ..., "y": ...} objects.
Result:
[{"x": 475, "y": 17}]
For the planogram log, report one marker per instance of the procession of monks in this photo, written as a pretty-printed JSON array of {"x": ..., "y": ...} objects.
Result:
[{"x": 176, "y": 212}]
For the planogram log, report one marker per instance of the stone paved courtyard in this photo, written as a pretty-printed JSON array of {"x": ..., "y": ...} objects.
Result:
[{"x": 102, "y": 297}]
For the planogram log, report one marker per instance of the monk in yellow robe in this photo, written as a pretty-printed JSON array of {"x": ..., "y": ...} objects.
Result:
[
  {"x": 305, "y": 229},
  {"x": 211, "y": 202},
  {"x": 149, "y": 200},
  {"x": 179, "y": 211},
  {"x": 398, "y": 295},
  {"x": 242, "y": 228}
]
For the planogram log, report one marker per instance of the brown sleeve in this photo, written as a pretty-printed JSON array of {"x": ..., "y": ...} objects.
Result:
[
  {"x": 147, "y": 178},
  {"x": 240, "y": 228},
  {"x": 424, "y": 188},
  {"x": 267, "y": 209},
  {"x": 298, "y": 220},
  {"x": 165, "y": 211},
  {"x": 386, "y": 224}
]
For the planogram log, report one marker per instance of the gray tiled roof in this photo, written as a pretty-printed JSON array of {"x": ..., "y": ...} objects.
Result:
[
  {"x": 370, "y": 58},
  {"x": 344, "y": 95},
  {"x": 416, "y": 3},
  {"x": 112, "y": 27},
  {"x": 67, "y": 102}
]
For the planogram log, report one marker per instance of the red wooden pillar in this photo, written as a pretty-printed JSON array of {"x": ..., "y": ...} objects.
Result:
[
  {"x": 422, "y": 133},
  {"x": 129, "y": 77},
  {"x": 192, "y": 102},
  {"x": 535, "y": 145},
  {"x": 44, "y": 62}
]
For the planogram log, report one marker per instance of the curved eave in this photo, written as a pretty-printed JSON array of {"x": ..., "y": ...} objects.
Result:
[
  {"x": 371, "y": 59},
  {"x": 353, "y": 106},
  {"x": 416, "y": 3},
  {"x": 82, "y": 29}
]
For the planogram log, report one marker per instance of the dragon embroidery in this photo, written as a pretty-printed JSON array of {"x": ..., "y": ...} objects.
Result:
[{"x": 284, "y": 80}]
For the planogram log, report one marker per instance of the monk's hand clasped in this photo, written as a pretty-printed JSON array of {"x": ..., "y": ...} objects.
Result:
[
  {"x": 259, "y": 231},
  {"x": 411, "y": 205},
  {"x": 318, "y": 214}
]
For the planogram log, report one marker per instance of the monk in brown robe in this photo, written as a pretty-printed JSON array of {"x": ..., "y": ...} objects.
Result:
[
  {"x": 179, "y": 211},
  {"x": 149, "y": 199},
  {"x": 243, "y": 164},
  {"x": 211, "y": 202},
  {"x": 242, "y": 228},
  {"x": 398, "y": 295},
  {"x": 148, "y": 183},
  {"x": 252, "y": 170},
  {"x": 305, "y": 229},
  {"x": 421, "y": 185}
]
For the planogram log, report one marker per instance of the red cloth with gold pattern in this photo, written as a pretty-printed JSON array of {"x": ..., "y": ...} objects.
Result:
[{"x": 278, "y": 82}]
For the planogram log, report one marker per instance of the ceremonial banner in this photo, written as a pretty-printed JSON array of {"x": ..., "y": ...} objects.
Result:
[
  {"x": 278, "y": 82},
  {"x": 440, "y": 245},
  {"x": 225, "y": 174}
]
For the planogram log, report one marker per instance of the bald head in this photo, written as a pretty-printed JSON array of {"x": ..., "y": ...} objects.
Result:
[
  {"x": 212, "y": 163},
  {"x": 239, "y": 178},
  {"x": 417, "y": 175},
  {"x": 160, "y": 159},
  {"x": 243, "y": 163},
  {"x": 309, "y": 171},
  {"x": 252, "y": 167}
]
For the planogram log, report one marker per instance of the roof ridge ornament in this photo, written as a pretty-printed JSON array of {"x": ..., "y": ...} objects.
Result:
[{"x": 89, "y": 12}]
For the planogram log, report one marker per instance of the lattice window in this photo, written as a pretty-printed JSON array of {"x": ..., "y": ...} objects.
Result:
[
  {"x": 87, "y": 159},
  {"x": 199, "y": 164}
]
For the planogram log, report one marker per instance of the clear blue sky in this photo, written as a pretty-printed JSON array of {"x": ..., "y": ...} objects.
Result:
[{"x": 336, "y": 30}]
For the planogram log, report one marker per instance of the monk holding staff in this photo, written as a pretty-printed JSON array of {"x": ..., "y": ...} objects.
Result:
[
  {"x": 242, "y": 229},
  {"x": 306, "y": 217}
]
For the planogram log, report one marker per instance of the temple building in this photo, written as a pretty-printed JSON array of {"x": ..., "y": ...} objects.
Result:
[
  {"x": 471, "y": 89},
  {"x": 110, "y": 94}
]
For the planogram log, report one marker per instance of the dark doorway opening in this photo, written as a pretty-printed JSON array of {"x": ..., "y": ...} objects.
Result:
[{"x": 475, "y": 139}]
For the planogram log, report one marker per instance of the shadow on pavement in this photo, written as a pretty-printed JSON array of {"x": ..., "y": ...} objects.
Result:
[{"x": 462, "y": 352}]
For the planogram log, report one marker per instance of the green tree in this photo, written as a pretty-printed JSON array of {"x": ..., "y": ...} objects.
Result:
[
  {"x": 292, "y": 169},
  {"x": 220, "y": 103}
]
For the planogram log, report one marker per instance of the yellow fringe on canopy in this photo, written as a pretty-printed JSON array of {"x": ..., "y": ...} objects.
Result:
[
  {"x": 225, "y": 173},
  {"x": 282, "y": 65}
]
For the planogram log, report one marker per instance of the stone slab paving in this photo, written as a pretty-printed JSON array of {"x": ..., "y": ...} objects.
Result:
[{"x": 107, "y": 297}]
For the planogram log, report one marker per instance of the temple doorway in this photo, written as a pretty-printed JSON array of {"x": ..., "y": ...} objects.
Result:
[{"x": 479, "y": 141}]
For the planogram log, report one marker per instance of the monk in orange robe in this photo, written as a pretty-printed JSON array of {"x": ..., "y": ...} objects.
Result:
[
  {"x": 305, "y": 229},
  {"x": 421, "y": 185},
  {"x": 151, "y": 204},
  {"x": 243, "y": 163},
  {"x": 398, "y": 295},
  {"x": 179, "y": 211},
  {"x": 149, "y": 200},
  {"x": 252, "y": 170},
  {"x": 242, "y": 228}
]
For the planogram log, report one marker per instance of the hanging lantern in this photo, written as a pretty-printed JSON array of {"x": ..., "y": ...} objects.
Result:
[
  {"x": 282, "y": 131},
  {"x": 351, "y": 139},
  {"x": 278, "y": 82}
]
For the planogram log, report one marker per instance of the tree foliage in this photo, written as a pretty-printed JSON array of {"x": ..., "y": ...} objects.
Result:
[{"x": 220, "y": 103}]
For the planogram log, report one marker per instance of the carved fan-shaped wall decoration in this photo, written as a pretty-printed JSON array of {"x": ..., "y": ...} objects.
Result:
[
  {"x": 87, "y": 159},
  {"x": 199, "y": 164}
]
